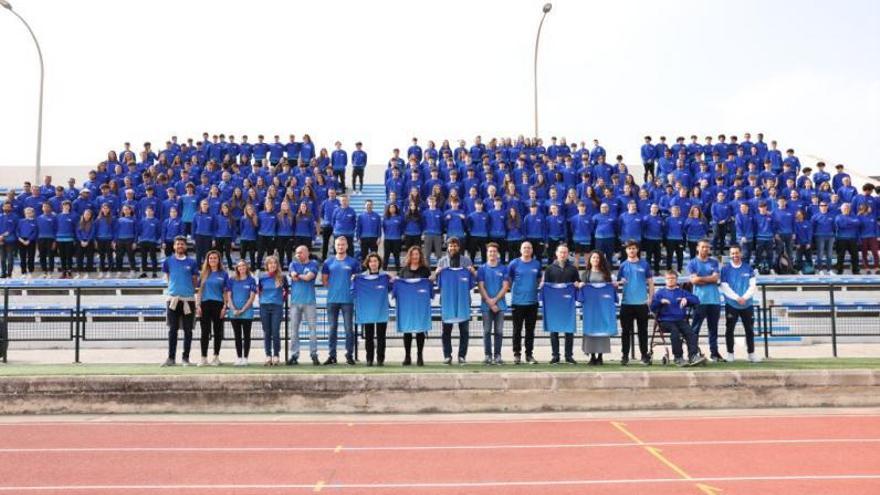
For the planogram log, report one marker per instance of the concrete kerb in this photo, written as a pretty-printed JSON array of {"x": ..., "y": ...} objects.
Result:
[{"x": 447, "y": 393}]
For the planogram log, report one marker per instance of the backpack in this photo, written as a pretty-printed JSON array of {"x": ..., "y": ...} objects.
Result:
[{"x": 783, "y": 264}]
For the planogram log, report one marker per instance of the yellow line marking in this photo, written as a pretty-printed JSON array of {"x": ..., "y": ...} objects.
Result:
[
  {"x": 318, "y": 486},
  {"x": 658, "y": 454},
  {"x": 338, "y": 449}
]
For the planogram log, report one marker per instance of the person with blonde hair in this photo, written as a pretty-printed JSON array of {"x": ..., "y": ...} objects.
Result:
[
  {"x": 241, "y": 291},
  {"x": 272, "y": 285},
  {"x": 211, "y": 304}
]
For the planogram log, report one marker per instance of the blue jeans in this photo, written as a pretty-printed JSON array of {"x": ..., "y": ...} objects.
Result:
[
  {"x": 493, "y": 326},
  {"x": 710, "y": 313},
  {"x": 333, "y": 310},
  {"x": 824, "y": 246},
  {"x": 270, "y": 317},
  {"x": 785, "y": 245}
]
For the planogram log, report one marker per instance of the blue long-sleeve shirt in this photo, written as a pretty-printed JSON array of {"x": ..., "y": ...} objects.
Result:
[
  {"x": 124, "y": 229},
  {"x": 267, "y": 223},
  {"x": 745, "y": 226},
  {"x": 392, "y": 227},
  {"x": 846, "y": 227},
  {"x": 556, "y": 229},
  {"x": 606, "y": 226},
  {"x": 304, "y": 226},
  {"x": 695, "y": 229},
  {"x": 823, "y": 225},
  {"x": 478, "y": 224},
  {"x": 674, "y": 228},
  {"x": 86, "y": 234},
  {"x": 433, "y": 221},
  {"x": 203, "y": 224},
  {"x": 497, "y": 225},
  {"x": 672, "y": 311},
  {"x": 171, "y": 228},
  {"x": 344, "y": 221},
  {"x": 535, "y": 226},
  {"x": 413, "y": 225},
  {"x": 581, "y": 226},
  {"x": 104, "y": 228},
  {"x": 368, "y": 225},
  {"x": 284, "y": 227},
  {"x": 653, "y": 227},
  {"x": 783, "y": 221},
  {"x": 26, "y": 229},
  {"x": 454, "y": 223},
  {"x": 803, "y": 233},
  {"x": 339, "y": 160},
  {"x": 764, "y": 226},
  {"x": 867, "y": 226},
  {"x": 224, "y": 227},
  {"x": 149, "y": 230},
  {"x": 632, "y": 226},
  {"x": 47, "y": 226},
  {"x": 247, "y": 231}
]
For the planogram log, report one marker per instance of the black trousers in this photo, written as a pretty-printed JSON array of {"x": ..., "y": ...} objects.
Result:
[
  {"x": 569, "y": 345},
  {"x": 340, "y": 177},
  {"x": 105, "y": 254},
  {"x": 65, "y": 253},
  {"x": 224, "y": 245},
  {"x": 463, "y": 338},
  {"x": 369, "y": 245},
  {"x": 411, "y": 240},
  {"x": 211, "y": 323},
  {"x": 391, "y": 247},
  {"x": 26, "y": 255},
  {"x": 652, "y": 253},
  {"x": 677, "y": 247},
  {"x": 284, "y": 245},
  {"x": 374, "y": 340},
  {"x": 747, "y": 316},
  {"x": 241, "y": 329},
  {"x": 630, "y": 314},
  {"x": 420, "y": 343},
  {"x": 524, "y": 315},
  {"x": 326, "y": 234},
  {"x": 843, "y": 246},
  {"x": 265, "y": 247},
  {"x": 177, "y": 319},
  {"x": 148, "y": 249},
  {"x": 477, "y": 244},
  {"x": 85, "y": 257},
  {"x": 249, "y": 250},
  {"x": 47, "y": 254},
  {"x": 649, "y": 171},
  {"x": 357, "y": 174},
  {"x": 203, "y": 245},
  {"x": 125, "y": 248},
  {"x": 537, "y": 248}
]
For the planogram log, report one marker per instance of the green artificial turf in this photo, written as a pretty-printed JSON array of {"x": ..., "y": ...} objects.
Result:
[{"x": 24, "y": 370}]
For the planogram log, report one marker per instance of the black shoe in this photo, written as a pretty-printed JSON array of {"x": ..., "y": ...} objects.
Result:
[
  {"x": 646, "y": 360},
  {"x": 593, "y": 361},
  {"x": 369, "y": 363},
  {"x": 554, "y": 360},
  {"x": 330, "y": 361},
  {"x": 380, "y": 364},
  {"x": 570, "y": 360},
  {"x": 517, "y": 359},
  {"x": 420, "y": 361},
  {"x": 349, "y": 360},
  {"x": 717, "y": 358},
  {"x": 530, "y": 359},
  {"x": 292, "y": 361},
  {"x": 407, "y": 361},
  {"x": 624, "y": 360},
  {"x": 599, "y": 360},
  {"x": 315, "y": 360}
]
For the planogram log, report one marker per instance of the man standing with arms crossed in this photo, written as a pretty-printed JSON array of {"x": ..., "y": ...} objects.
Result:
[
  {"x": 638, "y": 289},
  {"x": 303, "y": 272},
  {"x": 704, "y": 275}
]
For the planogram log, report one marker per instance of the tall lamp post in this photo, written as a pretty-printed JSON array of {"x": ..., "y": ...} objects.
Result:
[
  {"x": 546, "y": 9},
  {"x": 8, "y": 6}
]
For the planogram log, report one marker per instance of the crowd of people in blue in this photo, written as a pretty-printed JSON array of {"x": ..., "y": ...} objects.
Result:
[{"x": 269, "y": 202}]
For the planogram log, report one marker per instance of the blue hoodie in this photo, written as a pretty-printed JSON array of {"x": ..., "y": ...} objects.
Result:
[
  {"x": 368, "y": 225},
  {"x": 632, "y": 226}
]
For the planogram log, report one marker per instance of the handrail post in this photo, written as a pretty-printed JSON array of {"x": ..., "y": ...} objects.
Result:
[
  {"x": 833, "y": 320},
  {"x": 4, "y": 336},
  {"x": 76, "y": 327},
  {"x": 286, "y": 329},
  {"x": 765, "y": 323}
]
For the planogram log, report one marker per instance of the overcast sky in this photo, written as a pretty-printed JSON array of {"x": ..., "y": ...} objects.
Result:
[{"x": 806, "y": 73}]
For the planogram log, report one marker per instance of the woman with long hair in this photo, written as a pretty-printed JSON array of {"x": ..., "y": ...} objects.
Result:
[
  {"x": 371, "y": 307},
  {"x": 124, "y": 231},
  {"x": 85, "y": 237},
  {"x": 304, "y": 226},
  {"x": 413, "y": 225},
  {"x": 415, "y": 266},
  {"x": 247, "y": 234},
  {"x": 392, "y": 234},
  {"x": 272, "y": 286},
  {"x": 224, "y": 232},
  {"x": 284, "y": 233},
  {"x": 266, "y": 231},
  {"x": 598, "y": 271},
  {"x": 695, "y": 229},
  {"x": 513, "y": 223},
  {"x": 210, "y": 304},
  {"x": 241, "y": 290}
]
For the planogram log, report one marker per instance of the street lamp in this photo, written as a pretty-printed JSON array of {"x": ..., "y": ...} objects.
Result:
[
  {"x": 545, "y": 9},
  {"x": 8, "y": 6}
]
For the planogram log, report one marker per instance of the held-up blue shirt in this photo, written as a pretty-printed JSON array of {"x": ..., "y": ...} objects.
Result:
[
  {"x": 599, "y": 302},
  {"x": 371, "y": 297},
  {"x": 636, "y": 273},
  {"x": 180, "y": 275},
  {"x": 302, "y": 291},
  {"x": 240, "y": 291},
  {"x": 524, "y": 276},
  {"x": 706, "y": 293},
  {"x": 455, "y": 294},
  {"x": 214, "y": 286},
  {"x": 415, "y": 296},
  {"x": 339, "y": 281},
  {"x": 559, "y": 305}
]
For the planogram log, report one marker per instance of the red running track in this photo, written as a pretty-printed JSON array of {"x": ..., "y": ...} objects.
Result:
[{"x": 802, "y": 454}]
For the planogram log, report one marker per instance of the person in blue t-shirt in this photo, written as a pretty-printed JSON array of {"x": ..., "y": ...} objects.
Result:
[
  {"x": 704, "y": 274},
  {"x": 272, "y": 286},
  {"x": 241, "y": 291},
  {"x": 182, "y": 276},
  {"x": 211, "y": 305},
  {"x": 493, "y": 283},
  {"x": 669, "y": 305},
  {"x": 336, "y": 276},
  {"x": 738, "y": 286},
  {"x": 524, "y": 273},
  {"x": 371, "y": 289},
  {"x": 637, "y": 279},
  {"x": 303, "y": 272}
]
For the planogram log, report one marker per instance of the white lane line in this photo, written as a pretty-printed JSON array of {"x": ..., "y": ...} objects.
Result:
[
  {"x": 450, "y": 485},
  {"x": 436, "y": 422},
  {"x": 339, "y": 448}
]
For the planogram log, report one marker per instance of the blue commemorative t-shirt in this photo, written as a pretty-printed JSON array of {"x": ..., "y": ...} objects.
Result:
[
  {"x": 270, "y": 291},
  {"x": 524, "y": 276},
  {"x": 303, "y": 291},
  {"x": 413, "y": 304},
  {"x": 214, "y": 286},
  {"x": 559, "y": 303},
  {"x": 636, "y": 273},
  {"x": 600, "y": 311},
  {"x": 493, "y": 278},
  {"x": 706, "y": 293},
  {"x": 455, "y": 294},
  {"x": 371, "y": 297},
  {"x": 180, "y": 276},
  {"x": 241, "y": 291},
  {"x": 339, "y": 281}
]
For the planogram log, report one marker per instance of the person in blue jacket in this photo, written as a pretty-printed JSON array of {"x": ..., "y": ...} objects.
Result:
[
  {"x": 248, "y": 225},
  {"x": 104, "y": 238},
  {"x": 803, "y": 242},
  {"x": 149, "y": 231},
  {"x": 846, "y": 234},
  {"x": 224, "y": 232},
  {"x": 304, "y": 230},
  {"x": 535, "y": 230},
  {"x": 339, "y": 161},
  {"x": 85, "y": 242},
  {"x": 669, "y": 305},
  {"x": 673, "y": 232},
  {"x": 26, "y": 234},
  {"x": 47, "y": 227},
  {"x": 392, "y": 234},
  {"x": 823, "y": 237},
  {"x": 868, "y": 237},
  {"x": 498, "y": 227},
  {"x": 368, "y": 227},
  {"x": 358, "y": 164},
  {"x": 125, "y": 237},
  {"x": 8, "y": 244},
  {"x": 581, "y": 228},
  {"x": 345, "y": 222},
  {"x": 65, "y": 236},
  {"x": 606, "y": 230}
]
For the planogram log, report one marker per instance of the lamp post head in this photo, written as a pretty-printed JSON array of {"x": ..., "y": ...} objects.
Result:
[
  {"x": 547, "y": 6},
  {"x": 5, "y": 4}
]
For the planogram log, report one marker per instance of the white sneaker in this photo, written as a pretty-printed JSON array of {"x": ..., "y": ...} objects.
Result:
[
  {"x": 730, "y": 357},
  {"x": 244, "y": 362},
  {"x": 202, "y": 362},
  {"x": 216, "y": 361},
  {"x": 754, "y": 358}
]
